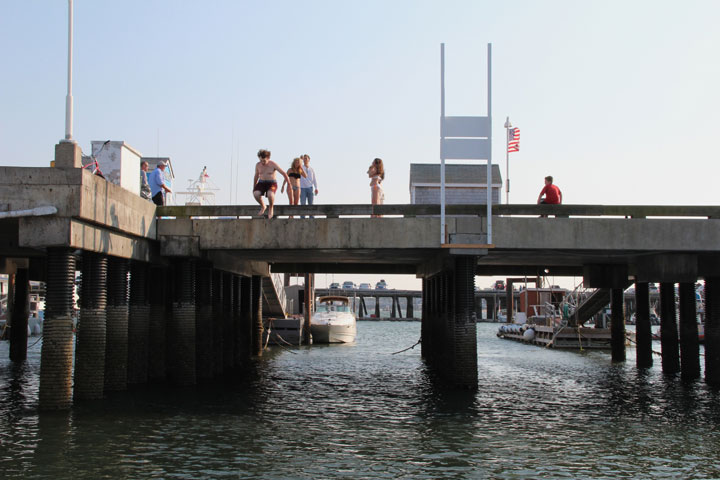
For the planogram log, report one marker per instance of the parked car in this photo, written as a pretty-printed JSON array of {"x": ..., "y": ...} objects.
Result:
[
  {"x": 381, "y": 285},
  {"x": 348, "y": 285},
  {"x": 499, "y": 285},
  {"x": 364, "y": 286},
  {"x": 334, "y": 285}
]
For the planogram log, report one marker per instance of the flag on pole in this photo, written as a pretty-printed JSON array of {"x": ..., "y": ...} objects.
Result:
[{"x": 513, "y": 140}]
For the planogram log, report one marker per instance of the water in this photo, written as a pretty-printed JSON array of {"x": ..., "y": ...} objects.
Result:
[{"x": 359, "y": 412}]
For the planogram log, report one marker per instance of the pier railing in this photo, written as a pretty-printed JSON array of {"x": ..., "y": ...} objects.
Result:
[{"x": 406, "y": 210}]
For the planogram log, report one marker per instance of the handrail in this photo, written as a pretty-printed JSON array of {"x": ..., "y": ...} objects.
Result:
[
  {"x": 478, "y": 210},
  {"x": 278, "y": 281}
]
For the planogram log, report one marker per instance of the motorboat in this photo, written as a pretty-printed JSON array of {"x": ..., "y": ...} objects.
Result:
[{"x": 333, "y": 321}]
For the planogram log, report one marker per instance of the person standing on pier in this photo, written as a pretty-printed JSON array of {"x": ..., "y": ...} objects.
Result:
[
  {"x": 553, "y": 195},
  {"x": 157, "y": 184},
  {"x": 145, "y": 190},
  {"x": 296, "y": 174},
  {"x": 264, "y": 182},
  {"x": 307, "y": 197},
  {"x": 376, "y": 172}
]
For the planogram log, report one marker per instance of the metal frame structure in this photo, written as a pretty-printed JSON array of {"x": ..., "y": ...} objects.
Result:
[{"x": 465, "y": 138}]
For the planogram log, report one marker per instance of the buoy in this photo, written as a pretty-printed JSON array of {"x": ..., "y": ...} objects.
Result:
[{"x": 528, "y": 334}]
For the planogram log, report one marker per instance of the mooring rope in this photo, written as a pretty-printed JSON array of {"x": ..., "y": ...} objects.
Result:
[{"x": 409, "y": 348}]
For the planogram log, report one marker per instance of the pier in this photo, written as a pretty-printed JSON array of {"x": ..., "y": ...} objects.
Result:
[{"x": 176, "y": 293}]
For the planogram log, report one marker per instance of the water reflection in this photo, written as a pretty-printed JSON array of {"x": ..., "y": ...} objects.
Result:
[{"x": 360, "y": 412}]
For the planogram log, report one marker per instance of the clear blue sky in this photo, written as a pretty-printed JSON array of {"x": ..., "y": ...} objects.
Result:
[{"x": 617, "y": 99}]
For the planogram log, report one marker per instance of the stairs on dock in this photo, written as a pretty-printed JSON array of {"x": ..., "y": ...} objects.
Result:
[
  {"x": 273, "y": 298},
  {"x": 592, "y": 305}
]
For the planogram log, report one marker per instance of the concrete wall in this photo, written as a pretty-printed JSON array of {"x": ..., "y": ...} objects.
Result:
[{"x": 93, "y": 213}]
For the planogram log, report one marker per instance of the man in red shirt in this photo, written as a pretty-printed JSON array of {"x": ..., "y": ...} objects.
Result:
[{"x": 553, "y": 195}]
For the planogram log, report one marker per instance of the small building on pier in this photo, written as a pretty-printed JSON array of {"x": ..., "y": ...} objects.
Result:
[{"x": 464, "y": 183}]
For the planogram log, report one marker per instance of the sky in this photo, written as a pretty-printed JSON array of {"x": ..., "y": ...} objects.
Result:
[{"x": 618, "y": 100}]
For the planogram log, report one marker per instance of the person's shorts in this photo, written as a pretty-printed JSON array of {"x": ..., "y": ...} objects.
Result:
[
  {"x": 158, "y": 199},
  {"x": 295, "y": 188},
  {"x": 265, "y": 186}
]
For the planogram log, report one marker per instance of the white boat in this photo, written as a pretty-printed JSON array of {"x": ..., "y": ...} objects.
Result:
[{"x": 333, "y": 321}]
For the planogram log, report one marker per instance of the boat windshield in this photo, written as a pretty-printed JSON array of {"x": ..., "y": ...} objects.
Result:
[{"x": 333, "y": 307}]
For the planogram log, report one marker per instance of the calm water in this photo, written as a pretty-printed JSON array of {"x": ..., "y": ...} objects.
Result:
[{"x": 359, "y": 412}]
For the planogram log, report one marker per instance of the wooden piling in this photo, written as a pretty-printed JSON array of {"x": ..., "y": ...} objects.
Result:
[
  {"x": 712, "y": 330},
  {"x": 617, "y": 327},
  {"x": 669, "y": 329},
  {"x": 19, "y": 308},
  {"x": 643, "y": 333},
  {"x": 689, "y": 343}
]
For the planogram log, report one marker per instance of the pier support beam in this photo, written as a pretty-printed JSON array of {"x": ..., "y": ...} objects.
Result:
[
  {"x": 689, "y": 343},
  {"x": 465, "y": 368},
  {"x": 92, "y": 333},
  {"x": 18, "y": 296},
  {"x": 181, "y": 331},
  {"x": 116, "y": 346},
  {"x": 712, "y": 330},
  {"x": 138, "y": 324},
  {"x": 395, "y": 307},
  {"x": 227, "y": 323},
  {"x": 424, "y": 321},
  {"x": 377, "y": 307},
  {"x": 643, "y": 333},
  {"x": 409, "y": 311},
  {"x": 257, "y": 325},
  {"x": 669, "y": 329},
  {"x": 217, "y": 324},
  {"x": 246, "y": 324},
  {"x": 57, "y": 348},
  {"x": 308, "y": 303},
  {"x": 617, "y": 326},
  {"x": 238, "y": 357},
  {"x": 449, "y": 332},
  {"x": 203, "y": 321},
  {"x": 157, "y": 347}
]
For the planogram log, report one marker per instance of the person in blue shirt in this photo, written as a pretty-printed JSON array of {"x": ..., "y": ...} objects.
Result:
[{"x": 157, "y": 184}]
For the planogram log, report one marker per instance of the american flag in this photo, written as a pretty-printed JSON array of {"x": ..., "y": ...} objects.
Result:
[{"x": 513, "y": 140}]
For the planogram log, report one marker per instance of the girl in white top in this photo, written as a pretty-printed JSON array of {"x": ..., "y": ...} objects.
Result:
[{"x": 376, "y": 172}]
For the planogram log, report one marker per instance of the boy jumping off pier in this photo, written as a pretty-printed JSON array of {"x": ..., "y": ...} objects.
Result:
[{"x": 264, "y": 182}]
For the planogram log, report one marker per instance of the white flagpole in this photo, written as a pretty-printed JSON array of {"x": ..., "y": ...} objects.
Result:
[
  {"x": 489, "y": 164},
  {"x": 68, "y": 98},
  {"x": 442, "y": 139},
  {"x": 507, "y": 159}
]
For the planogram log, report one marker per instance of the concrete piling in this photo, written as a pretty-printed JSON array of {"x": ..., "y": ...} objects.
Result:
[
  {"x": 204, "y": 321},
  {"x": 689, "y": 342},
  {"x": 157, "y": 358},
  {"x": 92, "y": 328},
  {"x": 57, "y": 349},
  {"x": 712, "y": 330},
  {"x": 116, "y": 347},
  {"x": 669, "y": 329},
  {"x": 20, "y": 312},
  {"x": 181, "y": 331},
  {"x": 643, "y": 333},
  {"x": 617, "y": 326},
  {"x": 409, "y": 312},
  {"x": 138, "y": 324}
]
